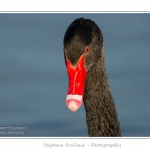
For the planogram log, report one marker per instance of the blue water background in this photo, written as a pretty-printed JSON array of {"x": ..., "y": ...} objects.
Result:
[{"x": 33, "y": 78}]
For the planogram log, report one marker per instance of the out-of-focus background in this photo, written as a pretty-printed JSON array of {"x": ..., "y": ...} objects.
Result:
[{"x": 33, "y": 78}]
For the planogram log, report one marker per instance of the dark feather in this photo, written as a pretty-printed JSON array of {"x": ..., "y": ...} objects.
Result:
[{"x": 101, "y": 115}]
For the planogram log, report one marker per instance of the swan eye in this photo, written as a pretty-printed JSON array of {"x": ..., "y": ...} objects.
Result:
[{"x": 86, "y": 49}]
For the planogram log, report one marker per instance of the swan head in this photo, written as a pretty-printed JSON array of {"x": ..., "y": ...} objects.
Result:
[{"x": 83, "y": 41}]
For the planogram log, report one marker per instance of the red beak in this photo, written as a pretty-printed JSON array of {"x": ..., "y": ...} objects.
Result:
[{"x": 77, "y": 76}]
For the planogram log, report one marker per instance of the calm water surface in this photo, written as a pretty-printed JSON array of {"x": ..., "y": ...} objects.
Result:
[{"x": 33, "y": 78}]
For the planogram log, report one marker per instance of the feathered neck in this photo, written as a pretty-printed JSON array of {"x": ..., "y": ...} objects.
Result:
[{"x": 101, "y": 115}]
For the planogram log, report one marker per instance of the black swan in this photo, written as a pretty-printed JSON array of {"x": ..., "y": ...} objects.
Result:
[{"x": 88, "y": 82}]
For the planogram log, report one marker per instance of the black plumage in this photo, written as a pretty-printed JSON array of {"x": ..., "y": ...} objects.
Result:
[{"x": 101, "y": 115}]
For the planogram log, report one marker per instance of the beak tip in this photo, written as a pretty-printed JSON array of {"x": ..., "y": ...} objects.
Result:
[
  {"x": 73, "y": 104},
  {"x": 73, "y": 109}
]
